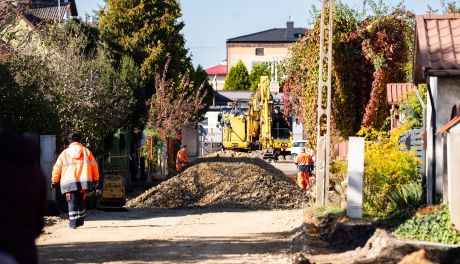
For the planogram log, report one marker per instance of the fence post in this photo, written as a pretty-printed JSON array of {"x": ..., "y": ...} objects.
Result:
[{"x": 355, "y": 177}]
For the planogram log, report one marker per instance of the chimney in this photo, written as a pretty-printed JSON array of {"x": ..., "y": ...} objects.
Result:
[{"x": 289, "y": 28}]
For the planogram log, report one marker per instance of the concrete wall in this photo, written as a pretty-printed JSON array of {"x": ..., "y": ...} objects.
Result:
[
  {"x": 453, "y": 174},
  {"x": 190, "y": 138},
  {"x": 47, "y": 159},
  {"x": 247, "y": 53},
  {"x": 297, "y": 131}
]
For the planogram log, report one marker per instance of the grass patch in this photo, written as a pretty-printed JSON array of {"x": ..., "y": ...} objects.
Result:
[{"x": 323, "y": 211}]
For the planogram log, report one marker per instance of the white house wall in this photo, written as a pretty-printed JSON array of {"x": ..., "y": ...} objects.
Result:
[
  {"x": 446, "y": 93},
  {"x": 453, "y": 175},
  {"x": 217, "y": 82}
]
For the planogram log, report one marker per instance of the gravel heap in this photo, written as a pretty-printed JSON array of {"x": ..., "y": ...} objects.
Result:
[
  {"x": 52, "y": 220},
  {"x": 225, "y": 181}
]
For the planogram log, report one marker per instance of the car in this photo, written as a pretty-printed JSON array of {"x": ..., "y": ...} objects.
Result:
[{"x": 297, "y": 145}]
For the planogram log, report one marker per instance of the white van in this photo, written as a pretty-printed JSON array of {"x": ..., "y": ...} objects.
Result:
[{"x": 297, "y": 145}]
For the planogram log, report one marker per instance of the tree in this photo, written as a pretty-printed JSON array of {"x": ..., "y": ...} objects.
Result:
[
  {"x": 149, "y": 32},
  {"x": 74, "y": 87},
  {"x": 256, "y": 72},
  {"x": 170, "y": 112},
  {"x": 238, "y": 78},
  {"x": 25, "y": 106},
  {"x": 378, "y": 47},
  {"x": 385, "y": 45}
]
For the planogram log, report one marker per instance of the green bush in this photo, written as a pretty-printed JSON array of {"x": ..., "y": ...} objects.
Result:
[
  {"x": 256, "y": 72},
  {"x": 338, "y": 171},
  {"x": 435, "y": 227},
  {"x": 405, "y": 199},
  {"x": 412, "y": 110},
  {"x": 386, "y": 167},
  {"x": 238, "y": 78}
]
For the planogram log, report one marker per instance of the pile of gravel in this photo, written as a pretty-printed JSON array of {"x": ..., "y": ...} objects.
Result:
[
  {"x": 225, "y": 181},
  {"x": 53, "y": 220}
]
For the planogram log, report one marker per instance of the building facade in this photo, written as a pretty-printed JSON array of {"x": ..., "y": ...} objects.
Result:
[
  {"x": 437, "y": 63},
  {"x": 264, "y": 46},
  {"x": 217, "y": 75}
]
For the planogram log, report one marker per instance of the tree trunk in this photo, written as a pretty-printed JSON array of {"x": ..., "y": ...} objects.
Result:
[{"x": 171, "y": 147}]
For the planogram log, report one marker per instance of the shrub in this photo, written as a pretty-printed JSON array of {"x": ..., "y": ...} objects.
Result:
[
  {"x": 405, "y": 199},
  {"x": 434, "y": 226},
  {"x": 238, "y": 78},
  {"x": 386, "y": 167},
  {"x": 338, "y": 171},
  {"x": 256, "y": 72}
]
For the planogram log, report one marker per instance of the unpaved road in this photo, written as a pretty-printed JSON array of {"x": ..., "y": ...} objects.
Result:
[{"x": 173, "y": 236}]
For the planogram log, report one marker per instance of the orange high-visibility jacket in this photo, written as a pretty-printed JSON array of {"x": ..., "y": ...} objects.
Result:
[
  {"x": 75, "y": 168},
  {"x": 182, "y": 158},
  {"x": 303, "y": 161}
]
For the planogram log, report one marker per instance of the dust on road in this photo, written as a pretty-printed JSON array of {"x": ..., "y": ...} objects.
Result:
[{"x": 152, "y": 235}]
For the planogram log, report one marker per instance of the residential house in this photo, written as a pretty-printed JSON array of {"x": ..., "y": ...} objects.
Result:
[
  {"x": 44, "y": 11},
  {"x": 19, "y": 32},
  {"x": 396, "y": 93},
  {"x": 264, "y": 46},
  {"x": 217, "y": 75},
  {"x": 437, "y": 63}
]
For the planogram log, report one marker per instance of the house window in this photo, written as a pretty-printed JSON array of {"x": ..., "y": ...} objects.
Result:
[{"x": 259, "y": 51}]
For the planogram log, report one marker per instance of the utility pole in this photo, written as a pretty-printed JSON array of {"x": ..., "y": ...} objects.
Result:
[
  {"x": 59, "y": 12},
  {"x": 324, "y": 112}
]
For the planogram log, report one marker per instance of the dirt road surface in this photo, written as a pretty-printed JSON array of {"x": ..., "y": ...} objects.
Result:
[
  {"x": 173, "y": 236},
  {"x": 288, "y": 167}
]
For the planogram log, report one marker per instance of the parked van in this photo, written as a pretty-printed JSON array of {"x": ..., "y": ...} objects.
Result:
[{"x": 297, "y": 145}]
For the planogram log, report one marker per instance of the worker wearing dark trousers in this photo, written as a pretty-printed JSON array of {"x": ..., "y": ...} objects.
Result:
[
  {"x": 76, "y": 201},
  {"x": 304, "y": 167}
]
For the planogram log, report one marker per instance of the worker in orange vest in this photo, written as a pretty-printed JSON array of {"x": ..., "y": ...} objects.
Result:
[
  {"x": 77, "y": 171},
  {"x": 182, "y": 158},
  {"x": 304, "y": 164}
]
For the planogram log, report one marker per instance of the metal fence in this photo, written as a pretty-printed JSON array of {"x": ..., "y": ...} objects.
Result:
[
  {"x": 413, "y": 140},
  {"x": 206, "y": 148}
]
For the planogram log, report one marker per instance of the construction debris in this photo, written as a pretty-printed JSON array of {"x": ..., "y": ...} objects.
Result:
[{"x": 230, "y": 180}]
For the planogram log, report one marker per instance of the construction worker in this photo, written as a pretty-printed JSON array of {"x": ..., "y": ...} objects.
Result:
[
  {"x": 182, "y": 158},
  {"x": 77, "y": 171},
  {"x": 304, "y": 164}
]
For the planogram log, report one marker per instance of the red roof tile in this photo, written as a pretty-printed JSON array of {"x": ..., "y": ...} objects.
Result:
[
  {"x": 437, "y": 46},
  {"x": 396, "y": 92},
  {"x": 217, "y": 70}
]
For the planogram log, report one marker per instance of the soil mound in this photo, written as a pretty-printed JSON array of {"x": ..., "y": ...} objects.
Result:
[{"x": 225, "y": 181}]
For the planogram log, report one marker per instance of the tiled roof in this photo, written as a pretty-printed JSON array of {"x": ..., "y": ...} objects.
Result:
[
  {"x": 217, "y": 70},
  {"x": 437, "y": 46},
  {"x": 48, "y": 10},
  {"x": 396, "y": 92},
  {"x": 224, "y": 97},
  {"x": 275, "y": 35}
]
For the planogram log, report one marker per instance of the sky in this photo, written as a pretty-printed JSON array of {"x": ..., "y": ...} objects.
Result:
[{"x": 209, "y": 23}]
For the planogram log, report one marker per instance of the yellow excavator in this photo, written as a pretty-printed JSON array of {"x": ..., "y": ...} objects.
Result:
[{"x": 260, "y": 128}]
